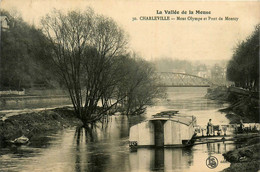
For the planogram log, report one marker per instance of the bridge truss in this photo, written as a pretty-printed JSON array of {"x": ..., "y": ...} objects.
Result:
[{"x": 170, "y": 79}]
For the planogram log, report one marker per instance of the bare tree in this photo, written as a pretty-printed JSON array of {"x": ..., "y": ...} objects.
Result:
[
  {"x": 108, "y": 43},
  {"x": 140, "y": 84},
  {"x": 85, "y": 46}
]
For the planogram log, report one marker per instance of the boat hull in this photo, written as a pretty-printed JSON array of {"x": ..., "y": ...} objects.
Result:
[{"x": 161, "y": 133}]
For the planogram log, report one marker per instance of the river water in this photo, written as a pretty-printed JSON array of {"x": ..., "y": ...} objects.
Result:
[{"x": 105, "y": 148}]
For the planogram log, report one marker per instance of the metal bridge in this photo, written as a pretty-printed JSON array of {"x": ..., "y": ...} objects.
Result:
[{"x": 171, "y": 79}]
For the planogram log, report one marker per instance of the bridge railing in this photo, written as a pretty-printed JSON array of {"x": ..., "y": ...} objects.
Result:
[{"x": 171, "y": 79}]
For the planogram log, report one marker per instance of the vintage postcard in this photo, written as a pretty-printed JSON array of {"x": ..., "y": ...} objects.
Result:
[{"x": 122, "y": 86}]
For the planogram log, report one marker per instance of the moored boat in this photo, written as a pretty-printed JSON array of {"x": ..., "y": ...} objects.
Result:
[{"x": 165, "y": 129}]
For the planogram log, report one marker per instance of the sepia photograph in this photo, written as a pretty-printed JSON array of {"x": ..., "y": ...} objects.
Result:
[{"x": 129, "y": 86}]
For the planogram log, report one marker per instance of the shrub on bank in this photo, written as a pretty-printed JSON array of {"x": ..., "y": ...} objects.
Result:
[
  {"x": 30, "y": 124},
  {"x": 246, "y": 158}
]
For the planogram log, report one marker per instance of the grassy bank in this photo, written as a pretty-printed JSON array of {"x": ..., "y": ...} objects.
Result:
[
  {"x": 245, "y": 158},
  {"x": 31, "y": 124}
]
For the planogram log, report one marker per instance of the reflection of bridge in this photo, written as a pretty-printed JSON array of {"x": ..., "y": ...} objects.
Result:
[{"x": 171, "y": 79}]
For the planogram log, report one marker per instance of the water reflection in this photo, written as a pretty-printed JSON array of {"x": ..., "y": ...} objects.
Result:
[
  {"x": 179, "y": 159},
  {"x": 101, "y": 147},
  {"x": 88, "y": 149},
  {"x": 107, "y": 157},
  {"x": 146, "y": 159},
  {"x": 106, "y": 154}
]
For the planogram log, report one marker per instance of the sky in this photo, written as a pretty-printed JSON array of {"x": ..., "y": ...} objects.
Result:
[{"x": 203, "y": 40}]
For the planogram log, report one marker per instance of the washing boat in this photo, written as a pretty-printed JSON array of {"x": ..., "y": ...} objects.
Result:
[{"x": 164, "y": 129}]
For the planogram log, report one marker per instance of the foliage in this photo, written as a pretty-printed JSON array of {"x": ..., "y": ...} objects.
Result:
[
  {"x": 139, "y": 84},
  {"x": 243, "y": 68},
  {"x": 23, "y": 52}
]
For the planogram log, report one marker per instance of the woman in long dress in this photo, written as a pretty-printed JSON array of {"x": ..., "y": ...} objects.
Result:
[{"x": 209, "y": 128}]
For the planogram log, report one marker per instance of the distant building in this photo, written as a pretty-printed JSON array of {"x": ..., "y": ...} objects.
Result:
[
  {"x": 4, "y": 23},
  {"x": 202, "y": 71},
  {"x": 218, "y": 72}
]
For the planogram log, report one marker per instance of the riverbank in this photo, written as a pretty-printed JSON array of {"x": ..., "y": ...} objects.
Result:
[
  {"x": 245, "y": 158},
  {"x": 240, "y": 106},
  {"x": 30, "y": 124},
  {"x": 245, "y": 107}
]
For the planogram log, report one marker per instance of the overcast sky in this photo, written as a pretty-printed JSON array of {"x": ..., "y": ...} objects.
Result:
[{"x": 203, "y": 40}]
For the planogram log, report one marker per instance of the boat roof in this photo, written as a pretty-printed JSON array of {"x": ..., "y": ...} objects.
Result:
[{"x": 173, "y": 116}]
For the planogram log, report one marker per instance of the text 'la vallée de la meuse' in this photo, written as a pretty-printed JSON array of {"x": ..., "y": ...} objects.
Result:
[{"x": 182, "y": 12}]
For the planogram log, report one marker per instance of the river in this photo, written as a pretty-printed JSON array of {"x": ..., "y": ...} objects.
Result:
[{"x": 105, "y": 148}]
